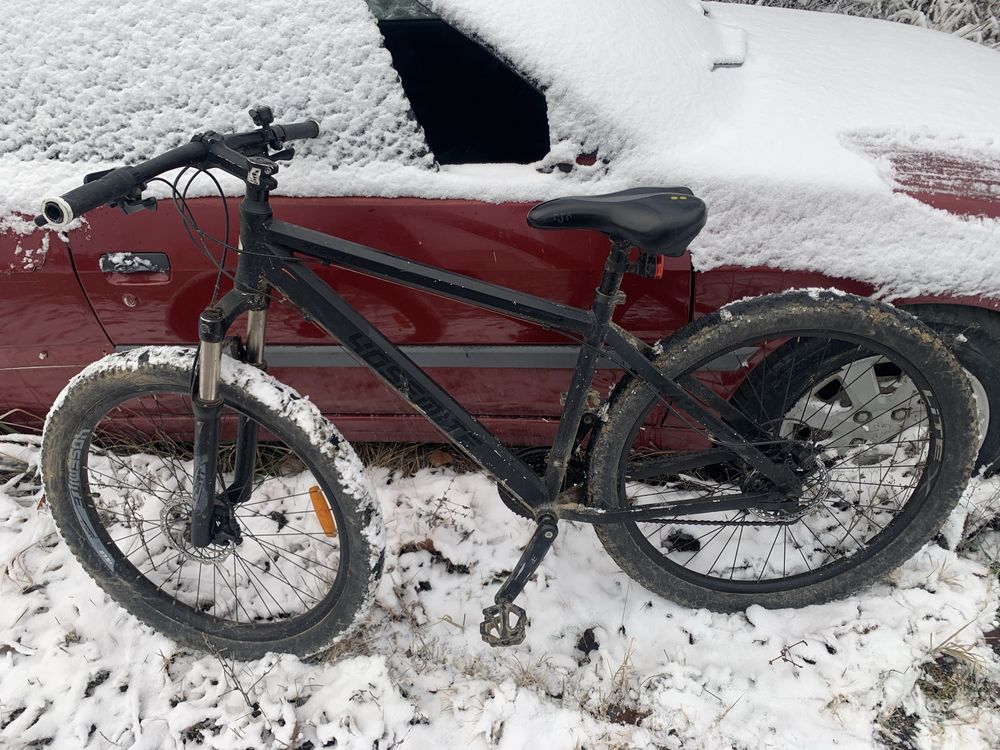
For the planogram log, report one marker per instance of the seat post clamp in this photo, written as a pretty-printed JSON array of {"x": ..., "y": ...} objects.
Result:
[{"x": 611, "y": 300}]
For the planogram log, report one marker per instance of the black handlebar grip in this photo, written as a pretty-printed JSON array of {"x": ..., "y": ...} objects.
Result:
[
  {"x": 59, "y": 212},
  {"x": 116, "y": 184},
  {"x": 296, "y": 131}
]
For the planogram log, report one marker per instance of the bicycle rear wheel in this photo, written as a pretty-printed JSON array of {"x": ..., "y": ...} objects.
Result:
[
  {"x": 864, "y": 401},
  {"x": 117, "y": 463}
]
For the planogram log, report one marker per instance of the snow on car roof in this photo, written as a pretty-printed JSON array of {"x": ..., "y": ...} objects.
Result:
[{"x": 119, "y": 81}]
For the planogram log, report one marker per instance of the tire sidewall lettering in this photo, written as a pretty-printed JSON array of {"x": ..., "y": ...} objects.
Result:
[{"x": 78, "y": 449}]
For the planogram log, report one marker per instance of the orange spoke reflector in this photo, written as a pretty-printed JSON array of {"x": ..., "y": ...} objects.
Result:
[{"x": 322, "y": 509}]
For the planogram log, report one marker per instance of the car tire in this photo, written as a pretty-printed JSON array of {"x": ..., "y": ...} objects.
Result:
[{"x": 973, "y": 335}]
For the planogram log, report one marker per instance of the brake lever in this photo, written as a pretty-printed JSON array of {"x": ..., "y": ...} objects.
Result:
[
  {"x": 249, "y": 165},
  {"x": 134, "y": 202},
  {"x": 132, "y": 205}
]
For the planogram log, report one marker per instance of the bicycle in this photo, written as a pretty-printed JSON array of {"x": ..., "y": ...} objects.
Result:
[{"x": 782, "y": 451}]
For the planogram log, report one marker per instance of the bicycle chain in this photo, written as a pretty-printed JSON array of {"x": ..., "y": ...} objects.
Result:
[{"x": 693, "y": 522}]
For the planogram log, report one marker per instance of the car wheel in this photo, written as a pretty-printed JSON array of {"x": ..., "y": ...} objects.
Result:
[{"x": 973, "y": 334}]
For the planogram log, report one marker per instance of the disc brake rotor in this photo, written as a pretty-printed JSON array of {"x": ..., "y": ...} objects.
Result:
[
  {"x": 815, "y": 490},
  {"x": 175, "y": 520}
]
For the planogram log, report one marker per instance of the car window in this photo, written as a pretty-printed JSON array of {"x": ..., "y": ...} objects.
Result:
[{"x": 472, "y": 107}]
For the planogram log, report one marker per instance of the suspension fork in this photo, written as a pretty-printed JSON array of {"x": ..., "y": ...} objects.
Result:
[
  {"x": 248, "y": 296},
  {"x": 207, "y": 407},
  {"x": 246, "y": 429}
]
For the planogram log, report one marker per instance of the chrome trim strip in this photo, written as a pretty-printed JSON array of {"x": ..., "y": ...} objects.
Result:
[{"x": 500, "y": 357}]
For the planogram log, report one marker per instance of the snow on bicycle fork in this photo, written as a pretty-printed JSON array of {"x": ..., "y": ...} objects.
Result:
[{"x": 76, "y": 669}]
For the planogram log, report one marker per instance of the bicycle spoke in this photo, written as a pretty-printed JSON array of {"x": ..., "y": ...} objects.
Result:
[{"x": 866, "y": 475}]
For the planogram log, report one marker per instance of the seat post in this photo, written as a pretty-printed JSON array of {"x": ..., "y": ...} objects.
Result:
[
  {"x": 614, "y": 269},
  {"x": 606, "y": 298}
]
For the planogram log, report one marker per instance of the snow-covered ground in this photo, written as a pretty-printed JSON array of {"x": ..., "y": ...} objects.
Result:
[{"x": 605, "y": 665}]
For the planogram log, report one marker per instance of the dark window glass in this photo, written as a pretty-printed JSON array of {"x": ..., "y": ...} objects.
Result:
[{"x": 472, "y": 107}]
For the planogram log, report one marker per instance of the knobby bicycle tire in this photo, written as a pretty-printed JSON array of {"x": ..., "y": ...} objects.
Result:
[
  {"x": 116, "y": 464},
  {"x": 780, "y": 360}
]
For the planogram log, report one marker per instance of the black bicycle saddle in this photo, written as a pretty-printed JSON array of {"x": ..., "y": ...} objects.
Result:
[{"x": 656, "y": 220}]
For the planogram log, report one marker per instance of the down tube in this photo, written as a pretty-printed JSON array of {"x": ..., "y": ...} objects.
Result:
[{"x": 399, "y": 372}]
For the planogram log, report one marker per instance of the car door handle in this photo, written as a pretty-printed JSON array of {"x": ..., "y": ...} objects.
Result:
[
  {"x": 128, "y": 268},
  {"x": 135, "y": 263}
]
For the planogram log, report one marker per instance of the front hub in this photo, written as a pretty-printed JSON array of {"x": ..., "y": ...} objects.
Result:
[{"x": 175, "y": 522}]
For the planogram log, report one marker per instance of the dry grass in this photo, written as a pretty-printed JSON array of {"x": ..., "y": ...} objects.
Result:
[
  {"x": 409, "y": 458},
  {"x": 20, "y": 422},
  {"x": 975, "y": 20}
]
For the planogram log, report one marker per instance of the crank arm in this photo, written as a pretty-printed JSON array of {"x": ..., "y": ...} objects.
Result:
[
  {"x": 504, "y": 622},
  {"x": 545, "y": 533}
]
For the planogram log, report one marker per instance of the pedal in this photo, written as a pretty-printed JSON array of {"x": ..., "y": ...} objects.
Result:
[{"x": 503, "y": 624}]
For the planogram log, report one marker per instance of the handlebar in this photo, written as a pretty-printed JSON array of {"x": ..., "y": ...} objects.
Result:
[{"x": 226, "y": 152}]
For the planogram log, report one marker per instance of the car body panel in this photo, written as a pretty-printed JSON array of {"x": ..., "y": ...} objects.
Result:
[
  {"x": 509, "y": 373},
  {"x": 48, "y": 331},
  {"x": 483, "y": 240},
  {"x": 963, "y": 185}
]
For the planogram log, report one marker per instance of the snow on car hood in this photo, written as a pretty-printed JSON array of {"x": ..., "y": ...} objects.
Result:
[
  {"x": 774, "y": 145},
  {"x": 801, "y": 185},
  {"x": 812, "y": 81}
]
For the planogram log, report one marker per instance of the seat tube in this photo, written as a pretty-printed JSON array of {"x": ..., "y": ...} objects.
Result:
[{"x": 607, "y": 297}]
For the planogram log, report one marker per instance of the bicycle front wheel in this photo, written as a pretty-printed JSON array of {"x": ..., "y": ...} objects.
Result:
[
  {"x": 117, "y": 464},
  {"x": 866, "y": 403}
]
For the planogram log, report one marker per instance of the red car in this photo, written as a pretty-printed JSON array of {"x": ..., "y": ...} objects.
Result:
[{"x": 477, "y": 98}]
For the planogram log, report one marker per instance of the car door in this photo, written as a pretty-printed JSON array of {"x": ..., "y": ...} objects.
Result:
[
  {"x": 48, "y": 331},
  {"x": 509, "y": 373}
]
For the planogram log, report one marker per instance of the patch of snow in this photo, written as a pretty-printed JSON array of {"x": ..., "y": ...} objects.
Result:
[
  {"x": 75, "y": 668},
  {"x": 118, "y": 83}
]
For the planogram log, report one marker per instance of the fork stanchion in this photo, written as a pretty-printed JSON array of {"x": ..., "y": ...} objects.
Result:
[{"x": 207, "y": 407}]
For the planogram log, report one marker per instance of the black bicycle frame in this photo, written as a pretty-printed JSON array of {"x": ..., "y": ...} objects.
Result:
[{"x": 268, "y": 261}]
